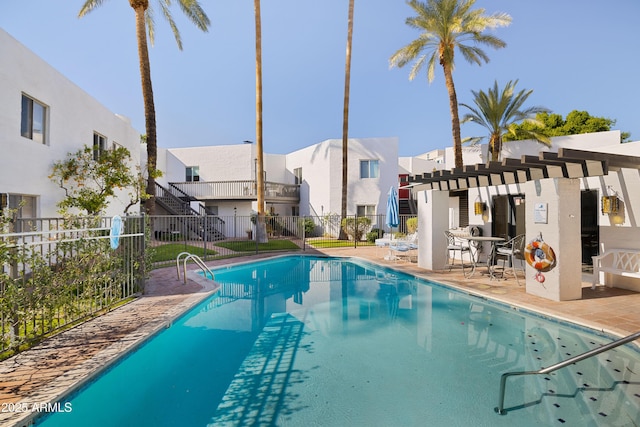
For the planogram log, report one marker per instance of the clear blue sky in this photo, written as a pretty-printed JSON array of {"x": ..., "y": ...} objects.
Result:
[{"x": 574, "y": 54}]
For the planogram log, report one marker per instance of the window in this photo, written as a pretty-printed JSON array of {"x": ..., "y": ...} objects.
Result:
[
  {"x": 366, "y": 210},
  {"x": 193, "y": 173},
  {"x": 25, "y": 207},
  {"x": 99, "y": 145},
  {"x": 297, "y": 172},
  {"x": 33, "y": 120},
  {"x": 369, "y": 169},
  {"x": 295, "y": 210}
]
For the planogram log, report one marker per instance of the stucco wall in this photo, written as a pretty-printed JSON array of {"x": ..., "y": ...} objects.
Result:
[
  {"x": 73, "y": 117},
  {"x": 216, "y": 162},
  {"x": 321, "y": 190}
]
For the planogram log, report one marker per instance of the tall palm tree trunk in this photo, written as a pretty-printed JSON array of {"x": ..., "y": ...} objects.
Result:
[
  {"x": 455, "y": 118},
  {"x": 345, "y": 119},
  {"x": 149, "y": 108},
  {"x": 261, "y": 229}
]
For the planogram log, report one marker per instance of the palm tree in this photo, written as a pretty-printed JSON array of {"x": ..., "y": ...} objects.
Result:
[
  {"x": 499, "y": 111},
  {"x": 448, "y": 25},
  {"x": 345, "y": 118},
  {"x": 261, "y": 227},
  {"x": 144, "y": 23}
]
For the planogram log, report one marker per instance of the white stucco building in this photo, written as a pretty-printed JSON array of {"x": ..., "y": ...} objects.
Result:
[
  {"x": 43, "y": 117},
  {"x": 306, "y": 182}
]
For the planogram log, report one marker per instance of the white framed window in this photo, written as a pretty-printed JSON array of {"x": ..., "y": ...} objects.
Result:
[
  {"x": 297, "y": 172},
  {"x": 99, "y": 145},
  {"x": 369, "y": 169},
  {"x": 192, "y": 173},
  {"x": 366, "y": 210},
  {"x": 33, "y": 120},
  {"x": 25, "y": 207}
]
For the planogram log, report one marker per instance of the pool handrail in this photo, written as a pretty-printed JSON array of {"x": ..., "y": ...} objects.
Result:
[
  {"x": 503, "y": 379},
  {"x": 197, "y": 260}
]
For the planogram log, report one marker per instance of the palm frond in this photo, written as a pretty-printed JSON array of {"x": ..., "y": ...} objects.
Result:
[
  {"x": 89, "y": 6},
  {"x": 195, "y": 13},
  {"x": 164, "y": 5}
]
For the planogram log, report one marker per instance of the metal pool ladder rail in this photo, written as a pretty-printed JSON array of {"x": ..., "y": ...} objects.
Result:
[
  {"x": 187, "y": 256},
  {"x": 503, "y": 380}
]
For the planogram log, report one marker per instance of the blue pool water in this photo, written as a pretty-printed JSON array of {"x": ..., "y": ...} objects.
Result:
[{"x": 313, "y": 341}]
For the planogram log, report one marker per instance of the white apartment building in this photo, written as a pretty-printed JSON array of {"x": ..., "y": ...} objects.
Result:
[
  {"x": 306, "y": 182},
  {"x": 43, "y": 117}
]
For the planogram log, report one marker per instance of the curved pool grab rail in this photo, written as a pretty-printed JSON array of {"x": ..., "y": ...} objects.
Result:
[
  {"x": 503, "y": 379},
  {"x": 187, "y": 256}
]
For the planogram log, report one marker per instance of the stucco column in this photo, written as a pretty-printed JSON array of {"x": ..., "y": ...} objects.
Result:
[
  {"x": 553, "y": 212},
  {"x": 433, "y": 219}
]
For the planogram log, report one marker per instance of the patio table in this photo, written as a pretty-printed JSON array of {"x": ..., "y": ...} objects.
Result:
[{"x": 475, "y": 248}]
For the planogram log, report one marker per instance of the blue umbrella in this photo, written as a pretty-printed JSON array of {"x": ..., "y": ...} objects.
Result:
[{"x": 392, "y": 209}]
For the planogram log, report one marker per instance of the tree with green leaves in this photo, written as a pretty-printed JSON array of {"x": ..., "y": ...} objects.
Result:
[
  {"x": 447, "y": 26},
  {"x": 499, "y": 111},
  {"x": 576, "y": 122},
  {"x": 89, "y": 181},
  {"x": 145, "y": 23}
]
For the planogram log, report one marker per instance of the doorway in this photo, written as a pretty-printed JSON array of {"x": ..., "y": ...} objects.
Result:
[
  {"x": 589, "y": 230},
  {"x": 508, "y": 213}
]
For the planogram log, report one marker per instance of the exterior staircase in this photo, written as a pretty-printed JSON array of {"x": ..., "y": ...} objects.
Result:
[{"x": 202, "y": 224}]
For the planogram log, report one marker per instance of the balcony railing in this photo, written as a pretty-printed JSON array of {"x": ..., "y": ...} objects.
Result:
[{"x": 243, "y": 190}]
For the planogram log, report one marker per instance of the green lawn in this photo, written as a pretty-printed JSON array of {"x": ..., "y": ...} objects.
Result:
[
  {"x": 170, "y": 251},
  {"x": 250, "y": 245},
  {"x": 335, "y": 243}
]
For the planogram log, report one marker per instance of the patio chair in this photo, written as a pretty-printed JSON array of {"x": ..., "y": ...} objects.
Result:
[
  {"x": 455, "y": 245},
  {"x": 510, "y": 251}
]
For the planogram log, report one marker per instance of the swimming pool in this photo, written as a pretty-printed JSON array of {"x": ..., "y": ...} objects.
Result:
[{"x": 321, "y": 341}]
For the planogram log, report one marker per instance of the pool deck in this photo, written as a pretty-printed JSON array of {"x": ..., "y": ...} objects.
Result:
[{"x": 49, "y": 370}]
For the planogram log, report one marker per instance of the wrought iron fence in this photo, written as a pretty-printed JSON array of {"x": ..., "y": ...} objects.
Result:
[
  {"x": 213, "y": 237},
  {"x": 63, "y": 270}
]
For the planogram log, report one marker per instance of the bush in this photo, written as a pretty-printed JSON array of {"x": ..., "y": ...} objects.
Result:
[
  {"x": 355, "y": 227},
  {"x": 309, "y": 227},
  {"x": 412, "y": 225},
  {"x": 374, "y": 234}
]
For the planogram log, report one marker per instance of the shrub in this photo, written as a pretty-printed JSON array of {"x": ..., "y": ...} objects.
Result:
[
  {"x": 355, "y": 227},
  {"x": 374, "y": 234},
  {"x": 412, "y": 225},
  {"x": 309, "y": 227}
]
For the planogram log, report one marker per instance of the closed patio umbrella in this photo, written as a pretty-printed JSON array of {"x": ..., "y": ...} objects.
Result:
[
  {"x": 392, "y": 220},
  {"x": 392, "y": 209}
]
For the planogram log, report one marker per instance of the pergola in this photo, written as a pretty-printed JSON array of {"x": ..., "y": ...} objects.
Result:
[
  {"x": 566, "y": 163},
  {"x": 550, "y": 184}
]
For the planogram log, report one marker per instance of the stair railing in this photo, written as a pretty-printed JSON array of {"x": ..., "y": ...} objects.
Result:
[
  {"x": 187, "y": 256},
  {"x": 503, "y": 380}
]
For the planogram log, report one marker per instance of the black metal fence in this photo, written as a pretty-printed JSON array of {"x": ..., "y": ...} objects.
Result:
[{"x": 212, "y": 237}]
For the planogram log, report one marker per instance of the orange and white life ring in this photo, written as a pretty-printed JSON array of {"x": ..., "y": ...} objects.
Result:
[{"x": 539, "y": 255}]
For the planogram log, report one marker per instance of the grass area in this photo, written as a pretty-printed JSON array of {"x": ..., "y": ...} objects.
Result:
[
  {"x": 250, "y": 245},
  {"x": 170, "y": 251},
  {"x": 335, "y": 243}
]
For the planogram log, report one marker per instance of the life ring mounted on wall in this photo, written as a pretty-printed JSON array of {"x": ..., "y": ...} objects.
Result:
[{"x": 540, "y": 256}]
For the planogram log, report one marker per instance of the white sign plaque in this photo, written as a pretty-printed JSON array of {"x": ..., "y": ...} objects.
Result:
[{"x": 540, "y": 213}]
